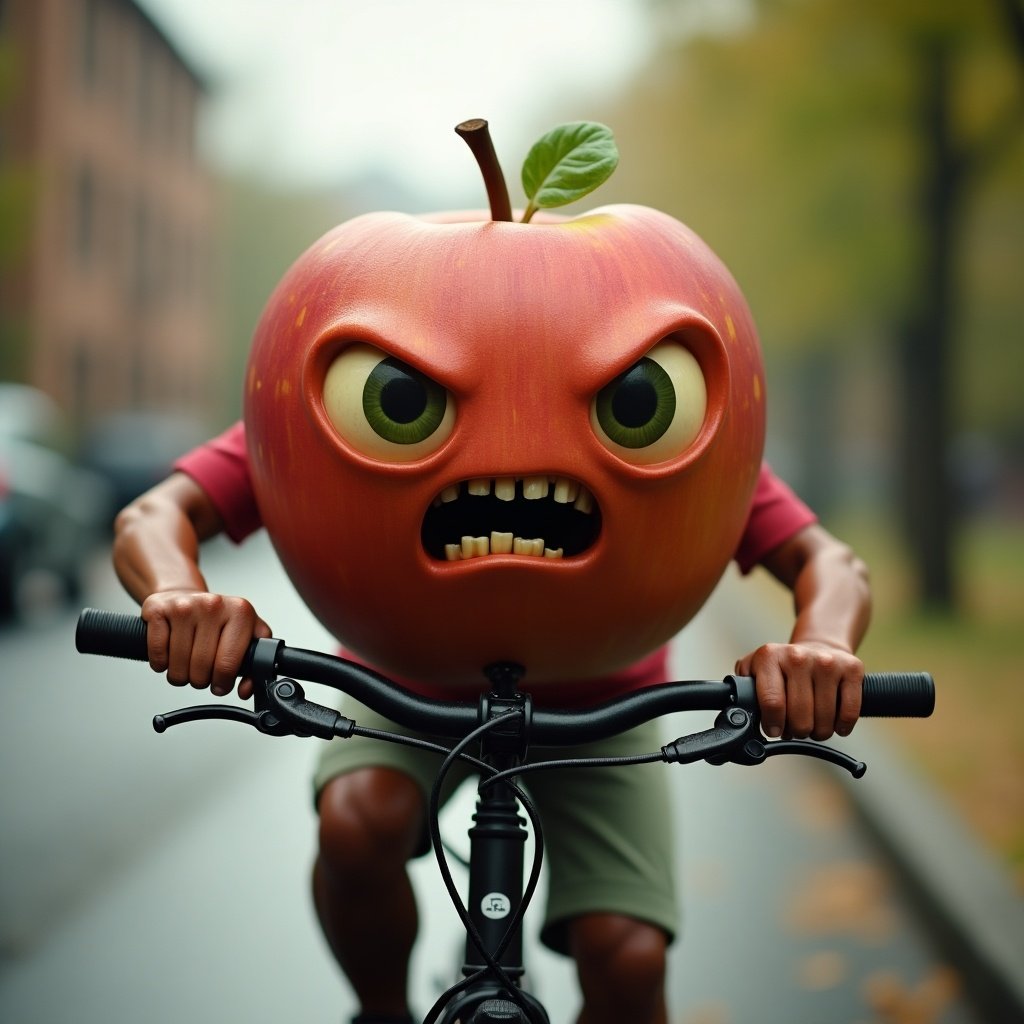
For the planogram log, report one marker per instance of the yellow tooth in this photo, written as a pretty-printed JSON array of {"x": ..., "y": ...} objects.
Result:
[
  {"x": 553, "y": 552},
  {"x": 505, "y": 488},
  {"x": 527, "y": 546},
  {"x": 501, "y": 543},
  {"x": 584, "y": 501},
  {"x": 453, "y": 552},
  {"x": 480, "y": 487},
  {"x": 450, "y": 493},
  {"x": 481, "y": 546},
  {"x": 467, "y": 547},
  {"x": 565, "y": 490},
  {"x": 535, "y": 487}
]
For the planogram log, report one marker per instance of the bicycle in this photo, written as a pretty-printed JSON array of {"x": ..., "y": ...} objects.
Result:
[{"x": 505, "y": 723}]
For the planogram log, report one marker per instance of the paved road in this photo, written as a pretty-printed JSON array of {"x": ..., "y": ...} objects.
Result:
[{"x": 164, "y": 877}]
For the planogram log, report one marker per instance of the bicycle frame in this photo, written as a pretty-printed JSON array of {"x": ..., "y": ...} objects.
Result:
[{"x": 496, "y": 864}]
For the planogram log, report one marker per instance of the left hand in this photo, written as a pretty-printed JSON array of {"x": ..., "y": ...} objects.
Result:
[{"x": 810, "y": 688}]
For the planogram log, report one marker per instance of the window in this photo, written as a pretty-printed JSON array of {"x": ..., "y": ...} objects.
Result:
[
  {"x": 143, "y": 248},
  {"x": 89, "y": 43},
  {"x": 83, "y": 377},
  {"x": 84, "y": 216}
]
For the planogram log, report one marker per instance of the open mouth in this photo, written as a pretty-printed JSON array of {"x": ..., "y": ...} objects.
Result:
[{"x": 533, "y": 516}]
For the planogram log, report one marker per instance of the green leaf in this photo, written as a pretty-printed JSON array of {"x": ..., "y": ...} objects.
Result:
[{"x": 567, "y": 163}]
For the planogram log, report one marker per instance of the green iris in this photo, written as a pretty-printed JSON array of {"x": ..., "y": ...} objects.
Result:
[
  {"x": 636, "y": 408},
  {"x": 401, "y": 404}
]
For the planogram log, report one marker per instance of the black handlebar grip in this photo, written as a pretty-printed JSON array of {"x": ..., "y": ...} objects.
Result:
[
  {"x": 898, "y": 695},
  {"x": 114, "y": 634}
]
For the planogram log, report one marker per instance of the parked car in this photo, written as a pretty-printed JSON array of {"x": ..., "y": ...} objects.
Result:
[
  {"x": 51, "y": 511},
  {"x": 133, "y": 451}
]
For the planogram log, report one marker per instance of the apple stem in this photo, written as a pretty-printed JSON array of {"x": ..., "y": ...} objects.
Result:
[{"x": 477, "y": 136}]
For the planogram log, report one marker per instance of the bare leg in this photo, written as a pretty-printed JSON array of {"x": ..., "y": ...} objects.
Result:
[
  {"x": 370, "y": 822},
  {"x": 621, "y": 967}
]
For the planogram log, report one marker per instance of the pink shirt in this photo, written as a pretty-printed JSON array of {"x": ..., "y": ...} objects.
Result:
[{"x": 221, "y": 468}]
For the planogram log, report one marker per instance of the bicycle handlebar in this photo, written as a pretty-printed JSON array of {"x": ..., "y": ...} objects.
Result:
[
  {"x": 888, "y": 694},
  {"x": 511, "y": 723}
]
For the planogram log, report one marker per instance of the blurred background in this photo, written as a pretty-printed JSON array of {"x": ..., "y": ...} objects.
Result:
[{"x": 859, "y": 166}]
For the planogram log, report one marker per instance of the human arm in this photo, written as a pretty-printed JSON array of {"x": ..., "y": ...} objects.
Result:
[
  {"x": 194, "y": 636},
  {"x": 811, "y": 686}
]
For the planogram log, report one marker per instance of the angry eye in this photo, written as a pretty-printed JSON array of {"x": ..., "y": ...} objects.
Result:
[
  {"x": 385, "y": 408},
  {"x": 655, "y": 409}
]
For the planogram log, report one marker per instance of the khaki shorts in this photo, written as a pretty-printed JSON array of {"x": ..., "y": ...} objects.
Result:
[{"x": 608, "y": 832}]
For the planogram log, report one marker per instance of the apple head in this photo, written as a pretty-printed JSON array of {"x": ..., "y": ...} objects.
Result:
[{"x": 475, "y": 441}]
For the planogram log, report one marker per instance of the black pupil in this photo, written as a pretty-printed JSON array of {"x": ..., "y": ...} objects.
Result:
[
  {"x": 635, "y": 400},
  {"x": 403, "y": 398}
]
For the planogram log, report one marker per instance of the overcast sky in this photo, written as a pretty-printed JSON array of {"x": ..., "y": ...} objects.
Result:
[{"x": 312, "y": 91}]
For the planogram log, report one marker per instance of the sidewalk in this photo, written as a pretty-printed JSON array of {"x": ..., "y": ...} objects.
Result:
[{"x": 975, "y": 914}]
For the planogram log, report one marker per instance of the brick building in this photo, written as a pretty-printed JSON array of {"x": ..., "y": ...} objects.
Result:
[{"x": 108, "y": 293}]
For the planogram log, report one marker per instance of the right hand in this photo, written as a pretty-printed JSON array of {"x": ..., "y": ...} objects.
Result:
[{"x": 200, "y": 639}]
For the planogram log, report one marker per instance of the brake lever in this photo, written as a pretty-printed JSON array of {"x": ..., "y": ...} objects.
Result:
[
  {"x": 808, "y": 748},
  {"x": 736, "y": 738},
  {"x": 261, "y": 667},
  {"x": 262, "y": 721}
]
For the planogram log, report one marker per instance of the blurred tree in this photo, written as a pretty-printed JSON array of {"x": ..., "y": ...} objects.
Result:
[
  {"x": 958, "y": 156},
  {"x": 829, "y": 151},
  {"x": 265, "y": 229},
  {"x": 17, "y": 184}
]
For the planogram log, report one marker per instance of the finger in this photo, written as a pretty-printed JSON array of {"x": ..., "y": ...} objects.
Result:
[
  {"x": 158, "y": 641},
  {"x": 179, "y": 654},
  {"x": 770, "y": 686},
  {"x": 242, "y": 627},
  {"x": 826, "y": 690},
  {"x": 744, "y": 667},
  {"x": 261, "y": 631},
  {"x": 232, "y": 648},
  {"x": 205, "y": 642},
  {"x": 799, "y": 695},
  {"x": 851, "y": 689}
]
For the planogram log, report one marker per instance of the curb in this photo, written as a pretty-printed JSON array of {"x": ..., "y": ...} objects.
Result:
[{"x": 961, "y": 891}]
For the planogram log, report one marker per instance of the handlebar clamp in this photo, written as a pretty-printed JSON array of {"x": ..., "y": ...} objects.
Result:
[
  {"x": 506, "y": 700},
  {"x": 510, "y": 738},
  {"x": 261, "y": 662}
]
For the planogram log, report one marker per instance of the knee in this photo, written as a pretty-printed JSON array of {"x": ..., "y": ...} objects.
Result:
[
  {"x": 619, "y": 953},
  {"x": 369, "y": 820}
]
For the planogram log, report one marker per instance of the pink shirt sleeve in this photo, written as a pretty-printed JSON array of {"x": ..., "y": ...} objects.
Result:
[
  {"x": 776, "y": 515},
  {"x": 221, "y": 468}
]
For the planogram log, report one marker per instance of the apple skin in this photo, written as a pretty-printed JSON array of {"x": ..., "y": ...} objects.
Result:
[{"x": 523, "y": 324}]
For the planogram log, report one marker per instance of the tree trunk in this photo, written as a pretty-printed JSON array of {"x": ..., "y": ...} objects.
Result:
[{"x": 929, "y": 509}]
